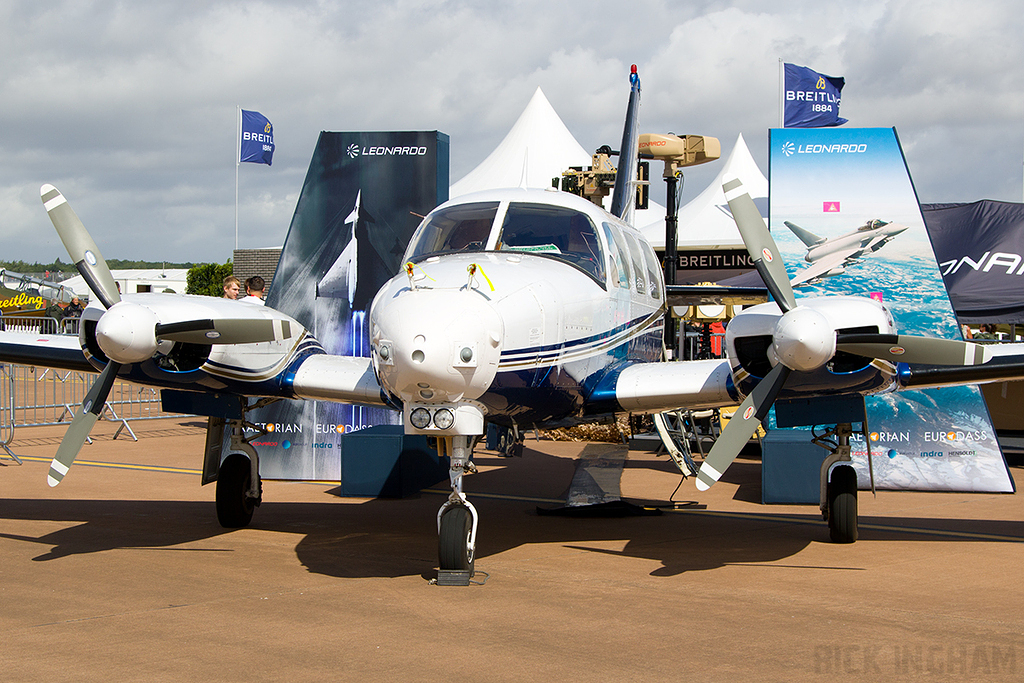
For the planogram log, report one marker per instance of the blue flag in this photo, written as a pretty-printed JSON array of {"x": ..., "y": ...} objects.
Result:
[
  {"x": 257, "y": 143},
  {"x": 812, "y": 99}
]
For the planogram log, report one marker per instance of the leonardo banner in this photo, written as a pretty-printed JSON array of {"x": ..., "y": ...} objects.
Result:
[
  {"x": 846, "y": 195},
  {"x": 362, "y": 198}
]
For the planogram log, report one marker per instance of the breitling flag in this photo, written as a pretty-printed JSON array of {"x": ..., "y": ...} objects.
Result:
[
  {"x": 812, "y": 99},
  {"x": 257, "y": 143}
]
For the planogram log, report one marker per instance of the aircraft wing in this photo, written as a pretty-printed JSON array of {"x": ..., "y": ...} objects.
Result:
[
  {"x": 824, "y": 266},
  {"x": 45, "y": 350},
  {"x": 692, "y": 384},
  {"x": 319, "y": 377},
  {"x": 344, "y": 379}
]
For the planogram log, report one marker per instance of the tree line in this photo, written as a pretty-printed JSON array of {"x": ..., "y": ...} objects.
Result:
[
  {"x": 203, "y": 278},
  {"x": 25, "y": 267}
]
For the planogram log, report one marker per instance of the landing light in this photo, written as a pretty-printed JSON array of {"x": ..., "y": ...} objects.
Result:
[
  {"x": 420, "y": 418},
  {"x": 444, "y": 418}
]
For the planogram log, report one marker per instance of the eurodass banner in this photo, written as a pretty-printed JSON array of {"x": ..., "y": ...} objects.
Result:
[
  {"x": 845, "y": 215},
  {"x": 362, "y": 198}
]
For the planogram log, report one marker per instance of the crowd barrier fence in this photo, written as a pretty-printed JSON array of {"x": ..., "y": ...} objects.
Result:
[{"x": 36, "y": 397}]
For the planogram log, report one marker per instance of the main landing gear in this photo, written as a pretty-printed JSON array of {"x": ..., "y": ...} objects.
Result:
[
  {"x": 457, "y": 518},
  {"x": 239, "y": 487},
  {"x": 838, "y": 484}
]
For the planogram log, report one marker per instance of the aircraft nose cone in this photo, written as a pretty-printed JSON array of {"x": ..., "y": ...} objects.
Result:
[
  {"x": 127, "y": 333},
  {"x": 436, "y": 345}
]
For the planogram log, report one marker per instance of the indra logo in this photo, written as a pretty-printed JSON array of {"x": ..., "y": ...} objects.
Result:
[
  {"x": 353, "y": 150},
  {"x": 789, "y": 149}
]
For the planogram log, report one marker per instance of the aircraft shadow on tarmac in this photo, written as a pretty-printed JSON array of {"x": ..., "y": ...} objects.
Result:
[{"x": 397, "y": 537}]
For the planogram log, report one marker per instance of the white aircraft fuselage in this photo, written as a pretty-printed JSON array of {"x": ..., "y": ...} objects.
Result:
[{"x": 515, "y": 305}]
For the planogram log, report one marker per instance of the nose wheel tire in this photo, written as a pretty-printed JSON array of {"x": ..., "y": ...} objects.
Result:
[
  {"x": 453, "y": 546},
  {"x": 842, "y": 505},
  {"x": 234, "y": 505}
]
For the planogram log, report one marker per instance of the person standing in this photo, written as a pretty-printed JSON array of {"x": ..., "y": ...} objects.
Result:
[
  {"x": 231, "y": 286},
  {"x": 254, "y": 287},
  {"x": 73, "y": 309}
]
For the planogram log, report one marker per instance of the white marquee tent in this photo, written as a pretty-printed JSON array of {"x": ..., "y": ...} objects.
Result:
[{"x": 537, "y": 148}]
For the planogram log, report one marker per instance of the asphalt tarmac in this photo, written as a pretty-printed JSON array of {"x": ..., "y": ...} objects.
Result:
[{"x": 123, "y": 574}]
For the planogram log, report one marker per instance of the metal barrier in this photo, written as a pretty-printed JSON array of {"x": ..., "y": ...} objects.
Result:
[
  {"x": 36, "y": 397},
  {"x": 7, "y": 410},
  {"x": 42, "y": 324}
]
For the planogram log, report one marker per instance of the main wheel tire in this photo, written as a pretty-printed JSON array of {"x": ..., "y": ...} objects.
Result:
[
  {"x": 234, "y": 506},
  {"x": 842, "y": 505},
  {"x": 453, "y": 552}
]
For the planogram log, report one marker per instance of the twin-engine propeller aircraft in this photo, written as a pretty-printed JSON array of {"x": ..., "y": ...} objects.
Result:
[{"x": 525, "y": 308}]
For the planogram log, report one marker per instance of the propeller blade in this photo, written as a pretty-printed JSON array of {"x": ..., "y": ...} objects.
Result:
[
  {"x": 80, "y": 427},
  {"x": 901, "y": 348},
  {"x": 741, "y": 427},
  {"x": 225, "y": 331},
  {"x": 760, "y": 245},
  {"x": 83, "y": 251}
]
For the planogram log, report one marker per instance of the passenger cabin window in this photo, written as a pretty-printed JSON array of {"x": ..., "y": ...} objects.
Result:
[
  {"x": 561, "y": 233},
  {"x": 619, "y": 256},
  {"x": 653, "y": 270},
  {"x": 463, "y": 227},
  {"x": 638, "y": 264}
]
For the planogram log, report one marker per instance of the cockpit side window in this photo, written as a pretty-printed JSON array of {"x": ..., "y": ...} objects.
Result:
[
  {"x": 562, "y": 233},
  {"x": 638, "y": 264},
  {"x": 463, "y": 227}
]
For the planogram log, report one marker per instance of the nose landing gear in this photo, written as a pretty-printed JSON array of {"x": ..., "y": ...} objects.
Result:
[{"x": 457, "y": 519}]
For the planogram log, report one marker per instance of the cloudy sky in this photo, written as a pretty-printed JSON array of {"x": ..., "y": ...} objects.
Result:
[{"x": 129, "y": 108}]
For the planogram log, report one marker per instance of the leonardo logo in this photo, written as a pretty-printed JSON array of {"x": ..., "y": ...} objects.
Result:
[
  {"x": 789, "y": 149},
  {"x": 835, "y": 148},
  {"x": 353, "y": 150}
]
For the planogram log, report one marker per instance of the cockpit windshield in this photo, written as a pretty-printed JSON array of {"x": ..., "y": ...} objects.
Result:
[
  {"x": 556, "y": 231},
  {"x": 463, "y": 227},
  {"x": 559, "y": 232}
]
